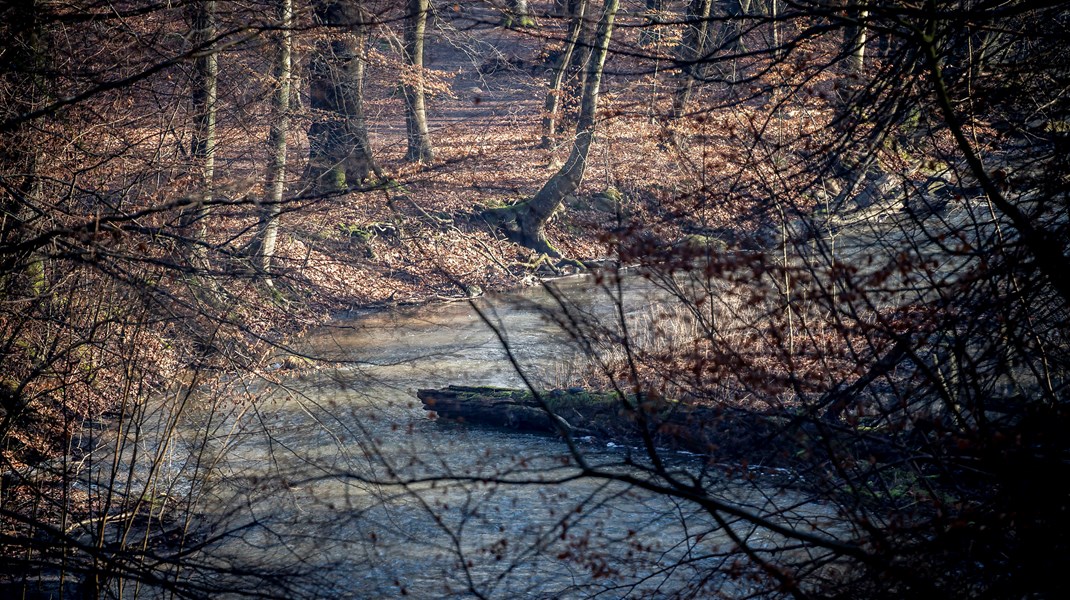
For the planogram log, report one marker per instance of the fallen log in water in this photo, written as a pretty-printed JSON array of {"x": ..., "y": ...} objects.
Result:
[
  {"x": 511, "y": 409},
  {"x": 783, "y": 443},
  {"x": 606, "y": 416}
]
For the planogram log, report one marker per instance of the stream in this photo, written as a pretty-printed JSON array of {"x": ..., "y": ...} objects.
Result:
[{"x": 339, "y": 483}]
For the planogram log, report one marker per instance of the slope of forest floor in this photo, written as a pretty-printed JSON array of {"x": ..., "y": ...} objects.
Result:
[{"x": 418, "y": 238}]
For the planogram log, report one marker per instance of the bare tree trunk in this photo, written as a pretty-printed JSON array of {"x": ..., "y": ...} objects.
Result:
[
  {"x": 553, "y": 96},
  {"x": 413, "y": 85},
  {"x": 280, "y": 128},
  {"x": 690, "y": 51},
  {"x": 578, "y": 66},
  {"x": 774, "y": 9},
  {"x": 854, "y": 38},
  {"x": 532, "y": 216},
  {"x": 339, "y": 151},
  {"x": 202, "y": 146}
]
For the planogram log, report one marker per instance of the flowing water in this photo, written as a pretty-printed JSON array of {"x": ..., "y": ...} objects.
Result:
[{"x": 341, "y": 484}]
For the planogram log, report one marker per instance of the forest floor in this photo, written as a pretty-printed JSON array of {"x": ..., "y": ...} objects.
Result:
[{"x": 421, "y": 239}]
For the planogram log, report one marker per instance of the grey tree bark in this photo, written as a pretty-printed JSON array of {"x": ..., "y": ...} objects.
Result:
[
  {"x": 419, "y": 149},
  {"x": 202, "y": 145},
  {"x": 339, "y": 151},
  {"x": 531, "y": 216},
  {"x": 854, "y": 37},
  {"x": 552, "y": 105},
  {"x": 579, "y": 64},
  {"x": 774, "y": 9},
  {"x": 280, "y": 128}
]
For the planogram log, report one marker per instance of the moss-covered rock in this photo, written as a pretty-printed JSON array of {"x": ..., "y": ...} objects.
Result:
[{"x": 609, "y": 200}]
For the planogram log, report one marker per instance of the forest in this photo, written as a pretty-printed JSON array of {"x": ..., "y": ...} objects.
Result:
[{"x": 534, "y": 298}]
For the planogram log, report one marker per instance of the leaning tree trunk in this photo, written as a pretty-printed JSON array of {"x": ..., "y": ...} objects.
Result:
[
  {"x": 553, "y": 96},
  {"x": 413, "y": 85},
  {"x": 339, "y": 151},
  {"x": 280, "y": 128},
  {"x": 202, "y": 146},
  {"x": 532, "y": 216},
  {"x": 690, "y": 51}
]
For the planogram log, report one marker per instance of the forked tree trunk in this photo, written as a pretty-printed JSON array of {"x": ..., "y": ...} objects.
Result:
[
  {"x": 690, "y": 52},
  {"x": 413, "y": 86},
  {"x": 339, "y": 152},
  {"x": 280, "y": 128},
  {"x": 579, "y": 65},
  {"x": 553, "y": 96},
  {"x": 532, "y": 216},
  {"x": 203, "y": 143}
]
